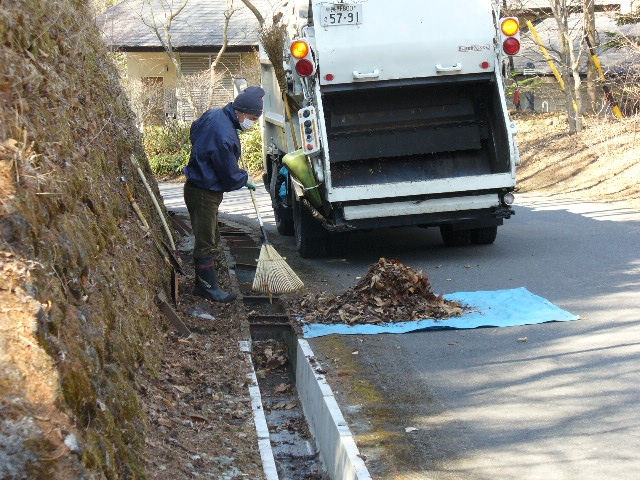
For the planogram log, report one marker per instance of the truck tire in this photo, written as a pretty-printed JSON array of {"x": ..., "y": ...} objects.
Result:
[
  {"x": 454, "y": 238},
  {"x": 311, "y": 238},
  {"x": 484, "y": 235},
  {"x": 283, "y": 225}
]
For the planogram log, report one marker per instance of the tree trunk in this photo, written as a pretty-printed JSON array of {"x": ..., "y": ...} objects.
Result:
[
  {"x": 225, "y": 32},
  {"x": 163, "y": 31},
  {"x": 569, "y": 66},
  {"x": 592, "y": 73},
  {"x": 255, "y": 12}
]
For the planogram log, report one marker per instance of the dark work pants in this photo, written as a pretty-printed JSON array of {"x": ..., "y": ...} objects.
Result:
[{"x": 203, "y": 210}]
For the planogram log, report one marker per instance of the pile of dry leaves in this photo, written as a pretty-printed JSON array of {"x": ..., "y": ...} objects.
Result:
[{"x": 390, "y": 292}]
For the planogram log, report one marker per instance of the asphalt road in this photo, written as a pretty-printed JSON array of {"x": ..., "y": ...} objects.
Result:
[{"x": 550, "y": 401}]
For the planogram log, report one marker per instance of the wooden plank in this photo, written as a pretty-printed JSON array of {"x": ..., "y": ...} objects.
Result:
[
  {"x": 175, "y": 286},
  {"x": 183, "y": 227},
  {"x": 172, "y": 316}
]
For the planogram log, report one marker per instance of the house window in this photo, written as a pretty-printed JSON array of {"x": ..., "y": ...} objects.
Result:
[{"x": 195, "y": 90}]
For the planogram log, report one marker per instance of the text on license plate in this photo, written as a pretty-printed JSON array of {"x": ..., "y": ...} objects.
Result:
[{"x": 341, "y": 14}]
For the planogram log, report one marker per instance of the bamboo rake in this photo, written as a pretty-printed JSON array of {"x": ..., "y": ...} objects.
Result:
[{"x": 273, "y": 274}]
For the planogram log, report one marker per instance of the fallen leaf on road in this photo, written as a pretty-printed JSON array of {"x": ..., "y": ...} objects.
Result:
[{"x": 283, "y": 387}]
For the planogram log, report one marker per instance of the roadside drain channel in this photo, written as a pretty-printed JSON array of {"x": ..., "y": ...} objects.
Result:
[{"x": 301, "y": 431}]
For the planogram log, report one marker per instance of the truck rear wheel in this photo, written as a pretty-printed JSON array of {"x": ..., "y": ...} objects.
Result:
[
  {"x": 484, "y": 235},
  {"x": 284, "y": 222},
  {"x": 284, "y": 227},
  {"x": 311, "y": 238},
  {"x": 454, "y": 238}
]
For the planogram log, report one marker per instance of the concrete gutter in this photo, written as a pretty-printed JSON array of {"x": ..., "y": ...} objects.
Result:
[
  {"x": 336, "y": 447},
  {"x": 264, "y": 442},
  {"x": 338, "y": 451}
]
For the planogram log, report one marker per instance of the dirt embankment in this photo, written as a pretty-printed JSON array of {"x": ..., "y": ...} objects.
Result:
[
  {"x": 81, "y": 335},
  {"x": 94, "y": 383},
  {"x": 600, "y": 163}
]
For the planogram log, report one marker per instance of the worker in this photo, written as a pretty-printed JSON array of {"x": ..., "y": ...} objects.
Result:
[
  {"x": 212, "y": 170},
  {"x": 516, "y": 98}
]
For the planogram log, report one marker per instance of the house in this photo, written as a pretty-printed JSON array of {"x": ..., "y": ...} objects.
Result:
[
  {"x": 532, "y": 68},
  {"x": 196, "y": 36},
  {"x": 538, "y": 7}
]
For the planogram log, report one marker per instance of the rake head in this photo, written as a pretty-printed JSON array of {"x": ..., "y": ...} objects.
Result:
[{"x": 273, "y": 275}]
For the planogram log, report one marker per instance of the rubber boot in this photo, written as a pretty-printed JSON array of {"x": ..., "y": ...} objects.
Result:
[{"x": 206, "y": 282}]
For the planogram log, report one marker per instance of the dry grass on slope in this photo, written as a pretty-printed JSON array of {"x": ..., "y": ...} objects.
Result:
[
  {"x": 93, "y": 383},
  {"x": 600, "y": 163},
  {"x": 77, "y": 316}
]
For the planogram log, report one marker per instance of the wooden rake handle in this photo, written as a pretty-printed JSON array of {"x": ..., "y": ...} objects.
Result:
[{"x": 255, "y": 205}]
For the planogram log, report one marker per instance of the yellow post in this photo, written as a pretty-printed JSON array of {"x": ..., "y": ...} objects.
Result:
[
  {"x": 607, "y": 92},
  {"x": 545, "y": 53}
]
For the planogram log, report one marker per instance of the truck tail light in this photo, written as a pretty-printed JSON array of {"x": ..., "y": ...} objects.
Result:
[
  {"x": 510, "y": 35},
  {"x": 303, "y": 58}
]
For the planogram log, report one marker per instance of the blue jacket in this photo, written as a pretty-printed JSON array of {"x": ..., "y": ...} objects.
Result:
[{"x": 215, "y": 150}]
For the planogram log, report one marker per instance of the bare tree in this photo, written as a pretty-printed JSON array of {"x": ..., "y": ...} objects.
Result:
[
  {"x": 588, "y": 9},
  {"x": 569, "y": 64},
  {"x": 162, "y": 27},
  {"x": 147, "y": 100},
  {"x": 255, "y": 12},
  {"x": 199, "y": 92},
  {"x": 627, "y": 81},
  {"x": 214, "y": 73}
]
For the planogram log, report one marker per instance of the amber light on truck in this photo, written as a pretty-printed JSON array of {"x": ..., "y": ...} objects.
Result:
[
  {"x": 510, "y": 33},
  {"x": 303, "y": 58}
]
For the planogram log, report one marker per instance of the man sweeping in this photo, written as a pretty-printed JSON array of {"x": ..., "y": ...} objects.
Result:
[{"x": 212, "y": 170}]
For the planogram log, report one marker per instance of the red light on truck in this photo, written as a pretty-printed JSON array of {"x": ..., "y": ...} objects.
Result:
[
  {"x": 305, "y": 68},
  {"x": 510, "y": 35},
  {"x": 511, "y": 46}
]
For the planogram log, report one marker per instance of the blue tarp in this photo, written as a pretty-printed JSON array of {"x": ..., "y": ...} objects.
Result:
[{"x": 499, "y": 308}]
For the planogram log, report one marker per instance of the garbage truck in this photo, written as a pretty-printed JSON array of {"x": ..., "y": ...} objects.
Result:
[{"x": 383, "y": 114}]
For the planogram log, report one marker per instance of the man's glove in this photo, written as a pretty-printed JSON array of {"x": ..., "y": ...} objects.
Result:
[{"x": 251, "y": 186}]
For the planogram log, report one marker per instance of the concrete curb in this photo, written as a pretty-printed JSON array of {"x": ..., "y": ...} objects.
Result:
[
  {"x": 264, "y": 442},
  {"x": 338, "y": 450}
]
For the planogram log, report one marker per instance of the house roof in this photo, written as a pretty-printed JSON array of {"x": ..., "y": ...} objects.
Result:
[
  {"x": 523, "y": 5},
  {"x": 128, "y": 26},
  {"x": 615, "y": 59}
]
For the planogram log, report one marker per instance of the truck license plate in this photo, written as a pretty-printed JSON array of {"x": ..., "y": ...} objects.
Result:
[{"x": 341, "y": 14}]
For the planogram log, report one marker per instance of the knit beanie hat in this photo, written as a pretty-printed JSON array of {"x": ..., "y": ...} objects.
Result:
[{"x": 249, "y": 101}]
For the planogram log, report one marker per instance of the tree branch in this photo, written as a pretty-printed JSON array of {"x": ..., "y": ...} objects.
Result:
[{"x": 255, "y": 11}]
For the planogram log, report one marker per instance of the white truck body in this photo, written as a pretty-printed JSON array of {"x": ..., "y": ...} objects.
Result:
[{"x": 409, "y": 118}]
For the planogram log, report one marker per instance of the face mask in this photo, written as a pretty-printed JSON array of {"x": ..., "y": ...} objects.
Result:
[{"x": 247, "y": 123}]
